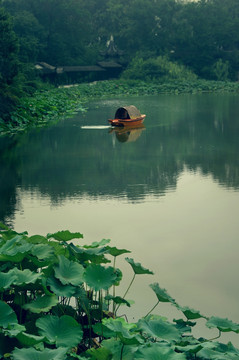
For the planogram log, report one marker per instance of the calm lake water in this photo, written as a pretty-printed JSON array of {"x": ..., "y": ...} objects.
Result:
[{"x": 169, "y": 192}]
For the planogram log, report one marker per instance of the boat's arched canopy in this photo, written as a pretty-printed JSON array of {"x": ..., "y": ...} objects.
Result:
[{"x": 127, "y": 112}]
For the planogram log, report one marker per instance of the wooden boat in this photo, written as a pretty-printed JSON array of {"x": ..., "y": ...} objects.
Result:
[{"x": 127, "y": 116}]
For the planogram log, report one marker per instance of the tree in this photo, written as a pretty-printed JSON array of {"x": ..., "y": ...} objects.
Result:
[{"x": 9, "y": 65}]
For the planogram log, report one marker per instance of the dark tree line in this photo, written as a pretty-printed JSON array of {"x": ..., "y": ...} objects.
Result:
[{"x": 202, "y": 35}]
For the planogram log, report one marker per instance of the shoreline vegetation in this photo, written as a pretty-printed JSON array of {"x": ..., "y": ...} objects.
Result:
[
  {"x": 50, "y": 105},
  {"x": 59, "y": 301}
]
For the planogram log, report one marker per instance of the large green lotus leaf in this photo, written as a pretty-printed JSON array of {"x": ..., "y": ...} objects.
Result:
[
  {"x": 116, "y": 350},
  {"x": 24, "y": 276},
  {"x": 65, "y": 235},
  {"x": 6, "y": 280},
  {"x": 7, "y": 315},
  {"x": 211, "y": 354},
  {"x": 28, "y": 340},
  {"x": 14, "y": 259},
  {"x": 38, "y": 239},
  {"x": 138, "y": 268},
  {"x": 15, "y": 249},
  {"x": 15, "y": 245},
  {"x": 59, "y": 289},
  {"x": 89, "y": 251},
  {"x": 43, "y": 251},
  {"x": 58, "y": 248},
  {"x": 97, "y": 244},
  {"x": 99, "y": 277},
  {"x": 41, "y": 304},
  {"x": 13, "y": 330},
  {"x": 116, "y": 252},
  {"x": 95, "y": 255},
  {"x": 190, "y": 314},
  {"x": 117, "y": 300},
  {"x": 223, "y": 325},
  {"x": 196, "y": 346},
  {"x": 161, "y": 294},
  {"x": 123, "y": 330},
  {"x": 99, "y": 354},
  {"x": 184, "y": 326},
  {"x": 157, "y": 352},
  {"x": 63, "y": 331},
  {"x": 159, "y": 328},
  {"x": 69, "y": 272},
  {"x": 103, "y": 330},
  {"x": 33, "y": 354}
]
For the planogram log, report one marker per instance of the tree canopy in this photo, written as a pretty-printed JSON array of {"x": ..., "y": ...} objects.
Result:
[{"x": 202, "y": 36}]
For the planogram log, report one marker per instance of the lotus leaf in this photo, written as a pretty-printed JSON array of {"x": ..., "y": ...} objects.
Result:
[
  {"x": 6, "y": 280},
  {"x": 95, "y": 255},
  {"x": 28, "y": 339},
  {"x": 157, "y": 352},
  {"x": 13, "y": 330},
  {"x": 65, "y": 235},
  {"x": 161, "y": 294},
  {"x": 115, "y": 351},
  {"x": 103, "y": 330},
  {"x": 38, "y": 239},
  {"x": 43, "y": 251},
  {"x": 190, "y": 314},
  {"x": 97, "y": 244},
  {"x": 184, "y": 326},
  {"x": 33, "y": 354},
  {"x": 223, "y": 325},
  {"x": 7, "y": 315},
  {"x": 138, "y": 268},
  {"x": 63, "y": 331},
  {"x": 59, "y": 289},
  {"x": 41, "y": 304},
  {"x": 100, "y": 354},
  {"x": 116, "y": 252},
  {"x": 117, "y": 300},
  {"x": 99, "y": 277},
  {"x": 24, "y": 276},
  {"x": 159, "y": 328},
  {"x": 123, "y": 330},
  {"x": 69, "y": 272},
  {"x": 195, "y": 346},
  {"x": 15, "y": 245},
  {"x": 215, "y": 355}
]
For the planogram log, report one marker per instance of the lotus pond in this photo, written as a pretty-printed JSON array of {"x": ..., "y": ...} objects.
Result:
[{"x": 168, "y": 192}]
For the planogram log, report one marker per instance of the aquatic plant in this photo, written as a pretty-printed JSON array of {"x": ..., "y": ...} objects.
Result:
[
  {"x": 47, "y": 106},
  {"x": 58, "y": 301}
]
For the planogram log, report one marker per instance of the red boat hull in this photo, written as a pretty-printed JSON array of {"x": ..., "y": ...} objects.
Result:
[{"x": 127, "y": 122}]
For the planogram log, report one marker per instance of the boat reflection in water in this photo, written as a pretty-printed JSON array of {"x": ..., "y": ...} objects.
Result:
[{"x": 127, "y": 134}]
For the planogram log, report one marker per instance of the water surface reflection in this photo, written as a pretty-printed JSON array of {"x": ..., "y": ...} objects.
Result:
[{"x": 168, "y": 192}]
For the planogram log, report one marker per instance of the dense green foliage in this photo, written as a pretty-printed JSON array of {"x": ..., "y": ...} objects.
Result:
[
  {"x": 52, "y": 104},
  {"x": 58, "y": 301},
  {"x": 161, "y": 39},
  {"x": 197, "y": 34},
  {"x": 159, "y": 68},
  {"x": 9, "y": 66}
]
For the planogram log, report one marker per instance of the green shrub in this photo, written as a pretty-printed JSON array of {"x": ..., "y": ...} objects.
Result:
[{"x": 159, "y": 68}]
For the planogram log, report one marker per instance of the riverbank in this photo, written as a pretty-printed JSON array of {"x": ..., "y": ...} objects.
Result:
[{"x": 48, "y": 106}]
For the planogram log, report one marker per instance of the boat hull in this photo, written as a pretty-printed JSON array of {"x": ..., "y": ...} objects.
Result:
[{"x": 127, "y": 122}]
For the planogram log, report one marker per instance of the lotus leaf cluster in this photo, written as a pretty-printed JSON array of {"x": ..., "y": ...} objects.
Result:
[{"x": 58, "y": 301}]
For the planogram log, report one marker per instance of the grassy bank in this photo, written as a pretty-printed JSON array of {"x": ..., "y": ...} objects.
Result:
[{"x": 50, "y": 105}]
